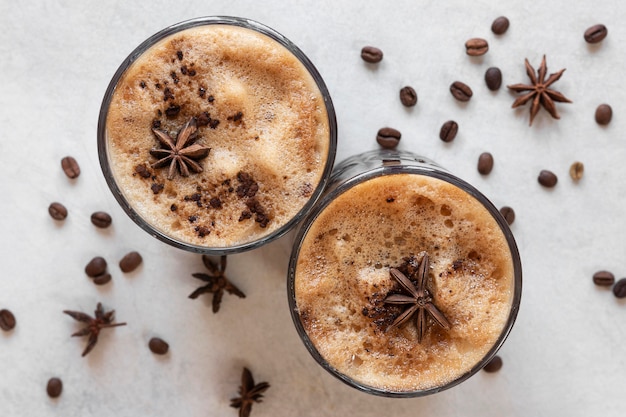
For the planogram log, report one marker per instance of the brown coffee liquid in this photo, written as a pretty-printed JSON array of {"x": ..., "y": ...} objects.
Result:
[{"x": 342, "y": 277}]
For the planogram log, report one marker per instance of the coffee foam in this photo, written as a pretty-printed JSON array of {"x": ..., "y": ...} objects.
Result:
[
  {"x": 342, "y": 276},
  {"x": 282, "y": 139}
]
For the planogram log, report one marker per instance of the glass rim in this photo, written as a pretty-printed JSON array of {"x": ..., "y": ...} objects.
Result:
[{"x": 103, "y": 154}]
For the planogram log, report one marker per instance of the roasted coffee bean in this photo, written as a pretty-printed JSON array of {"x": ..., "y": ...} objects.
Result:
[
  {"x": 448, "y": 131},
  {"x": 508, "y": 213},
  {"x": 54, "y": 387},
  {"x": 494, "y": 365},
  {"x": 604, "y": 278},
  {"x": 493, "y": 78},
  {"x": 7, "y": 320},
  {"x": 371, "y": 54},
  {"x": 70, "y": 167},
  {"x": 461, "y": 91},
  {"x": 596, "y": 33},
  {"x": 500, "y": 25},
  {"x": 388, "y": 137},
  {"x": 619, "y": 289},
  {"x": 547, "y": 178},
  {"x": 604, "y": 114},
  {"x": 476, "y": 47},
  {"x": 101, "y": 219},
  {"x": 158, "y": 346},
  {"x": 97, "y": 266},
  {"x": 576, "y": 170},
  {"x": 57, "y": 211},
  {"x": 408, "y": 96},
  {"x": 130, "y": 261},
  {"x": 102, "y": 279},
  {"x": 485, "y": 163}
]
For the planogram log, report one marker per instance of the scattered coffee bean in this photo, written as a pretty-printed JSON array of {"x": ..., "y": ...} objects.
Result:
[
  {"x": 604, "y": 114},
  {"x": 388, "y": 137},
  {"x": 604, "y": 278},
  {"x": 70, "y": 167},
  {"x": 619, "y": 289},
  {"x": 461, "y": 91},
  {"x": 508, "y": 213},
  {"x": 485, "y": 163},
  {"x": 493, "y": 78},
  {"x": 576, "y": 170},
  {"x": 547, "y": 178},
  {"x": 596, "y": 33},
  {"x": 97, "y": 266},
  {"x": 158, "y": 346},
  {"x": 500, "y": 25},
  {"x": 448, "y": 131},
  {"x": 371, "y": 54},
  {"x": 494, "y": 365},
  {"x": 101, "y": 219},
  {"x": 408, "y": 96},
  {"x": 476, "y": 47},
  {"x": 57, "y": 211},
  {"x": 7, "y": 320},
  {"x": 54, "y": 387},
  {"x": 102, "y": 279},
  {"x": 130, "y": 261}
]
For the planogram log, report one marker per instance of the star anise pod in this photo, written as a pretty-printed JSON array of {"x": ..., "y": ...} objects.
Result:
[
  {"x": 94, "y": 325},
  {"x": 420, "y": 300},
  {"x": 181, "y": 152},
  {"x": 216, "y": 281},
  {"x": 539, "y": 91},
  {"x": 249, "y": 393}
]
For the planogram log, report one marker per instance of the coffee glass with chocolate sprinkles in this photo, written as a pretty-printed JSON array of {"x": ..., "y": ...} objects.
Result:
[
  {"x": 355, "y": 256},
  {"x": 179, "y": 178}
]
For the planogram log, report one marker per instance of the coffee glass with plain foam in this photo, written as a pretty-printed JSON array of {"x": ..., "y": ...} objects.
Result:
[
  {"x": 382, "y": 211},
  {"x": 217, "y": 135}
]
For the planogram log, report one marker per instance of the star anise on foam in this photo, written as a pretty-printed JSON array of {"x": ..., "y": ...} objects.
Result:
[
  {"x": 249, "y": 393},
  {"x": 182, "y": 152},
  {"x": 94, "y": 325},
  {"x": 538, "y": 91},
  {"x": 419, "y": 300},
  {"x": 216, "y": 281}
]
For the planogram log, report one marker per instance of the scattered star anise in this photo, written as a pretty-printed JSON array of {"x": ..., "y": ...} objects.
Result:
[
  {"x": 420, "y": 300},
  {"x": 180, "y": 153},
  {"x": 249, "y": 393},
  {"x": 538, "y": 91},
  {"x": 94, "y": 325},
  {"x": 217, "y": 283}
]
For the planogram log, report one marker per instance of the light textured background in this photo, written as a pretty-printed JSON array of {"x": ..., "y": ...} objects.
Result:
[{"x": 565, "y": 355}]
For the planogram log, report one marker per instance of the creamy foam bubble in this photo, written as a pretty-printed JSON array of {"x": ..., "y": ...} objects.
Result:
[{"x": 342, "y": 276}]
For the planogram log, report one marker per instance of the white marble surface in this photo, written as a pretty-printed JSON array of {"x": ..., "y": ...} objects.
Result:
[{"x": 565, "y": 355}]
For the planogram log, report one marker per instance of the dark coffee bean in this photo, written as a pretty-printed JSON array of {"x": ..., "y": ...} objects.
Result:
[
  {"x": 547, "y": 178},
  {"x": 448, "y": 131},
  {"x": 388, "y": 137},
  {"x": 97, "y": 266},
  {"x": 70, "y": 167},
  {"x": 493, "y": 365},
  {"x": 461, "y": 91},
  {"x": 619, "y": 289},
  {"x": 7, "y": 320},
  {"x": 500, "y": 25},
  {"x": 604, "y": 114},
  {"x": 371, "y": 54},
  {"x": 596, "y": 33},
  {"x": 57, "y": 211},
  {"x": 101, "y": 219},
  {"x": 485, "y": 163},
  {"x": 130, "y": 261},
  {"x": 508, "y": 213},
  {"x": 102, "y": 279},
  {"x": 158, "y": 346},
  {"x": 408, "y": 96},
  {"x": 493, "y": 78},
  {"x": 576, "y": 170},
  {"x": 54, "y": 387},
  {"x": 476, "y": 47},
  {"x": 604, "y": 278}
]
